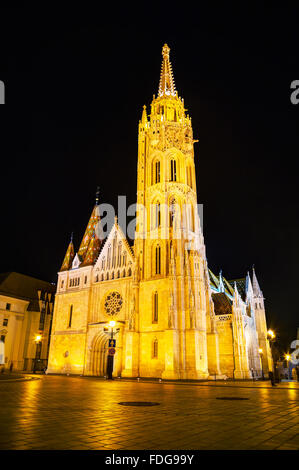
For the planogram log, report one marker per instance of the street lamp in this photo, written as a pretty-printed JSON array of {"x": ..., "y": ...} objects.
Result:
[
  {"x": 261, "y": 358},
  {"x": 111, "y": 351},
  {"x": 271, "y": 337},
  {"x": 38, "y": 340},
  {"x": 287, "y": 358}
]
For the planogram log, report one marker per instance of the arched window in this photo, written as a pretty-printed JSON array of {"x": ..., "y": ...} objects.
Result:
[
  {"x": 124, "y": 273},
  {"x": 114, "y": 252},
  {"x": 157, "y": 172},
  {"x": 155, "y": 308},
  {"x": 158, "y": 259},
  {"x": 70, "y": 316},
  {"x": 173, "y": 170},
  {"x": 129, "y": 272},
  {"x": 109, "y": 257},
  {"x": 124, "y": 258},
  {"x": 102, "y": 277},
  {"x": 156, "y": 215},
  {"x": 119, "y": 254},
  {"x": 155, "y": 349},
  {"x": 103, "y": 263},
  {"x": 61, "y": 285}
]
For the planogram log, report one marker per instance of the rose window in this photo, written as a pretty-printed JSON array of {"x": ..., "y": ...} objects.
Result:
[{"x": 113, "y": 303}]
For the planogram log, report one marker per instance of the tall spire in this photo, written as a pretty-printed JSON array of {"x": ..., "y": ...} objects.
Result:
[
  {"x": 69, "y": 256},
  {"x": 93, "y": 237},
  {"x": 255, "y": 285},
  {"x": 166, "y": 85}
]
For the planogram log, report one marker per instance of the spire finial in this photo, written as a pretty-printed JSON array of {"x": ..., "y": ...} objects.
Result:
[
  {"x": 166, "y": 85},
  {"x": 97, "y": 195},
  {"x": 72, "y": 235},
  {"x": 165, "y": 51}
]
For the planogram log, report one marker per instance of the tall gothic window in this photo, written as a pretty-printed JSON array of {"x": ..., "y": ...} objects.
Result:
[
  {"x": 158, "y": 259},
  {"x": 172, "y": 170},
  {"x": 157, "y": 215},
  {"x": 119, "y": 254},
  {"x": 70, "y": 316},
  {"x": 109, "y": 257},
  {"x": 155, "y": 307},
  {"x": 157, "y": 172}
]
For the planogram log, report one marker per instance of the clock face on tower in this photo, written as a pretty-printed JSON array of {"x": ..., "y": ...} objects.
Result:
[{"x": 113, "y": 303}]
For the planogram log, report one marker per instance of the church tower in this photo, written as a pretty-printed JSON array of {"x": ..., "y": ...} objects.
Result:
[{"x": 172, "y": 287}]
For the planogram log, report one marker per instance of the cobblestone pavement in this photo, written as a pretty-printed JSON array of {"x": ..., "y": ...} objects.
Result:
[{"x": 56, "y": 412}]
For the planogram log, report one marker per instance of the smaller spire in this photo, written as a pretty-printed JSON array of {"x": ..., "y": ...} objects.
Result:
[
  {"x": 144, "y": 115},
  {"x": 255, "y": 285},
  {"x": 69, "y": 256}
]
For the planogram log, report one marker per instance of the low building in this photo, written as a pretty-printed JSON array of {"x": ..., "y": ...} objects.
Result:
[{"x": 26, "y": 307}]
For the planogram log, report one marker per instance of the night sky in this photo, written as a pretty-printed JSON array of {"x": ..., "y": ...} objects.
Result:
[{"x": 76, "y": 82}]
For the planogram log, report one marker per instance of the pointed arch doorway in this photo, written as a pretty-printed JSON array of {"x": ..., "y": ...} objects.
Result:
[{"x": 99, "y": 355}]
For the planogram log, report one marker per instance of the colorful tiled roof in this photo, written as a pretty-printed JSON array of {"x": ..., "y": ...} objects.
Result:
[
  {"x": 91, "y": 243},
  {"x": 222, "y": 304},
  {"x": 68, "y": 259}
]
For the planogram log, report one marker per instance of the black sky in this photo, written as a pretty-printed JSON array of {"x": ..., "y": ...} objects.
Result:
[{"x": 76, "y": 82}]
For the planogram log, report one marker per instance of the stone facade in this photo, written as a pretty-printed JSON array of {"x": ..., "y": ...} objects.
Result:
[
  {"x": 160, "y": 291},
  {"x": 26, "y": 308}
]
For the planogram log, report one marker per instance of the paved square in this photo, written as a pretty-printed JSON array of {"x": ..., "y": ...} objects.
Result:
[{"x": 56, "y": 412}]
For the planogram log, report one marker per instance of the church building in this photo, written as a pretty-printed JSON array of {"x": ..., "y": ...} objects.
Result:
[{"x": 155, "y": 309}]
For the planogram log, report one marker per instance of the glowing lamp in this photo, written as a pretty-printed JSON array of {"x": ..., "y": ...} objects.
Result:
[
  {"x": 271, "y": 334},
  {"x": 287, "y": 357},
  {"x": 260, "y": 350},
  {"x": 112, "y": 323},
  {"x": 38, "y": 338}
]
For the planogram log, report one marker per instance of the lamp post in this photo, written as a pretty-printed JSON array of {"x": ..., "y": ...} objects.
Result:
[
  {"x": 271, "y": 337},
  {"x": 110, "y": 358},
  {"x": 261, "y": 358},
  {"x": 38, "y": 340},
  {"x": 287, "y": 358}
]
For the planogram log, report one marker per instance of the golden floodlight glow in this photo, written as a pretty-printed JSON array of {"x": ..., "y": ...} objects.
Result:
[
  {"x": 287, "y": 357},
  {"x": 37, "y": 338},
  {"x": 260, "y": 350},
  {"x": 271, "y": 333},
  {"x": 112, "y": 323}
]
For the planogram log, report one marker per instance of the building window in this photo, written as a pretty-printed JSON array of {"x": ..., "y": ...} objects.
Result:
[
  {"x": 61, "y": 285},
  {"x": 158, "y": 259},
  {"x": 155, "y": 307},
  {"x": 85, "y": 280},
  {"x": 5, "y": 322},
  {"x": 155, "y": 349},
  {"x": 158, "y": 215},
  {"x": 8, "y": 306},
  {"x": 157, "y": 172},
  {"x": 70, "y": 316},
  {"x": 2, "y": 339},
  {"x": 172, "y": 170}
]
